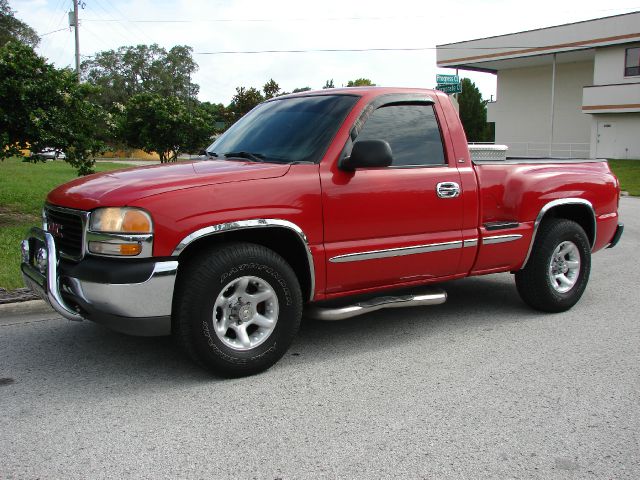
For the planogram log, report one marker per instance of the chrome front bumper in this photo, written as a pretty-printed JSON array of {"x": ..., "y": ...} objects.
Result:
[{"x": 141, "y": 308}]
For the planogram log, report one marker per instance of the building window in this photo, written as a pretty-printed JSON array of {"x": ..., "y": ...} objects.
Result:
[
  {"x": 412, "y": 132},
  {"x": 632, "y": 62}
]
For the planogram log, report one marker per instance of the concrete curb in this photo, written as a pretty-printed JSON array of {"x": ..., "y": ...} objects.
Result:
[{"x": 22, "y": 308}]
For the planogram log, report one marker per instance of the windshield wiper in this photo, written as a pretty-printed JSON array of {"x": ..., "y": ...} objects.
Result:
[{"x": 256, "y": 157}]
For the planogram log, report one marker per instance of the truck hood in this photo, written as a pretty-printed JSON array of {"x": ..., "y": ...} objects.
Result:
[{"x": 121, "y": 187}]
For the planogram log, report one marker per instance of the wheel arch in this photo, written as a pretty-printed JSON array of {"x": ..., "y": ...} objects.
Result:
[
  {"x": 577, "y": 209},
  {"x": 283, "y": 237}
]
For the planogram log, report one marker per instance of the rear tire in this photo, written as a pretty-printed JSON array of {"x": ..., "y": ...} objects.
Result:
[
  {"x": 557, "y": 272},
  {"x": 237, "y": 309}
]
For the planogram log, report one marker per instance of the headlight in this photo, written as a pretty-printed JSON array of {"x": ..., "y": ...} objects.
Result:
[
  {"x": 120, "y": 220},
  {"x": 124, "y": 231}
]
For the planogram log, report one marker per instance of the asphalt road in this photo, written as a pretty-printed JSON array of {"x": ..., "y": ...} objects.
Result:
[{"x": 481, "y": 387}]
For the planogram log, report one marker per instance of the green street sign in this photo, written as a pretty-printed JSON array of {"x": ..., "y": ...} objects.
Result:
[
  {"x": 457, "y": 88},
  {"x": 447, "y": 79}
]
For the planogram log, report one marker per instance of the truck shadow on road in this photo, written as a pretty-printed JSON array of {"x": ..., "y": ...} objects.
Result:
[
  {"x": 70, "y": 352},
  {"x": 477, "y": 304}
]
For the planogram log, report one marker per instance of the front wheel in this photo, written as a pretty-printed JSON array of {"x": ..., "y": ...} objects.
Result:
[
  {"x": 558, "y": 270},
  {"x": 237, "y": 309}
]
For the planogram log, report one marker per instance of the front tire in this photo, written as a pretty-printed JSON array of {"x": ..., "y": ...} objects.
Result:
[
  {"x": 557, "y": 272},
  {"x": 238, "y": 308}
]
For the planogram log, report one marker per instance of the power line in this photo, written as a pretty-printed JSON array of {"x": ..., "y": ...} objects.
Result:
[
  {"x": 55, "y": 31},
  {"x": 126, "y": 32},
  {"x": 298, "y": 19},
  {"x": 118, "y": 12},
  {"x": 334, "y": 50},
  {"x": 53, "y": 24},
  {"x": 254, "y": 20}
]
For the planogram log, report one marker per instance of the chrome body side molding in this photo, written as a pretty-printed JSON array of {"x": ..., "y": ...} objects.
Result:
[
  {"x": 500, "y": 239},
  {"x": 396, "y": 252},
  {"x": 536, "y": 161},
  {"x": 556, "y": 203},
  {"x": 249, "y": 224},
  {"x": 470, "y": 242}
]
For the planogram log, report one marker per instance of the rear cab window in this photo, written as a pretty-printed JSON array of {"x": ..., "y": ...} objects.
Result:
[{"x": 411, "y": 130}]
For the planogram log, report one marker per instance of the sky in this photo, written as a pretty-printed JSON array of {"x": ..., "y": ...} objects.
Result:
[{"x": 213, "y": 26}]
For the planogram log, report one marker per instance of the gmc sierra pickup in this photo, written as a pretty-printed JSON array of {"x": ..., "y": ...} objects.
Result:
[{"x": 309, "y": 203}]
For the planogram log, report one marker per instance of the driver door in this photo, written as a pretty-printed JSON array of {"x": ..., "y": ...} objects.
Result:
[{"x": 392, "y": 226}]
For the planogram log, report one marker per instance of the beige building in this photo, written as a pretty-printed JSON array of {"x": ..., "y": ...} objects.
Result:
[{"x": 569, "y": 90}]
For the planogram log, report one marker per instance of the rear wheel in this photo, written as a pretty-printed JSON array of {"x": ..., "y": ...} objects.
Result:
[
  {"x": 238, "y": 308},
  {"x": 557, "y": 272}
]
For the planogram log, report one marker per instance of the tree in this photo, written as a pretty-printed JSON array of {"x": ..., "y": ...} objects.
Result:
[
  {"x": 166, "y": 125},
  {"x": 328, "y": 84},
  {"x": 295, "y": 90},
  {"x": 41, "y": 106},
  {"x": 271, "y": 89},
  {"x": 217, "y": 115},
  {"x": 360, "y": 82},
  {"x": 242, "y": 102},
  {"x": 120, "y": 74},
  {"x": 87, "y": 126},
  {"x": 13, "y": 29},
  {"x": 473, "y": 113}
]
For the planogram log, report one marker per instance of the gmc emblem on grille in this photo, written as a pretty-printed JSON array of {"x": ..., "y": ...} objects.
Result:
[{"x": 54, "y": 229}]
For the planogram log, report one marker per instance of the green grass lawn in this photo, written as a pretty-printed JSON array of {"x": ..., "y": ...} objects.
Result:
[
  {"x": 23, "y": 189},
  {"x": 24, "y": 186},
  {"x": 628, "y": 172}
]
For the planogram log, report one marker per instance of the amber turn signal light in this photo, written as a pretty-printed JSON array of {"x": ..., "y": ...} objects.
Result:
[{"x": 108, "y": 248}]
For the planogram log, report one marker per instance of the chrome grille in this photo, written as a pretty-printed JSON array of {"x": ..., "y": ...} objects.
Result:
[{"x": 67, "y": 228}]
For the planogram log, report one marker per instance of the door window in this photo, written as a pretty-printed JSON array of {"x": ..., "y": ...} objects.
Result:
[{"x": 412, "y": 132}]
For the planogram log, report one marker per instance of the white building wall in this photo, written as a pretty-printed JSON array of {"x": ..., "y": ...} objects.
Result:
[
  {"x": 615, "y": 135},
  {"x": 608, "y": 66},
  {"x": 522, "y": 111},
  {"x": 616, "y": 98}
]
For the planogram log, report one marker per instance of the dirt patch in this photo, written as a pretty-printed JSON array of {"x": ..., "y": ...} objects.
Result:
[
  {"x": 17, "y": 295},
  {"x": 10, "y": 217}
]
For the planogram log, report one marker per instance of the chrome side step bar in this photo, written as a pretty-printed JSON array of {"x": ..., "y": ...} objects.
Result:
[{"x": 433, "y": 296}]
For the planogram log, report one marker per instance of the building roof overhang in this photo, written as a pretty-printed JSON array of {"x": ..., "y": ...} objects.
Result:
[{"x": 576, "y": 41}]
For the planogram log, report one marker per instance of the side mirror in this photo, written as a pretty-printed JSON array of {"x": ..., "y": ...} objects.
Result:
[
  {"x": 202, "y": 153},
  {"x": 368, "y": 154}
]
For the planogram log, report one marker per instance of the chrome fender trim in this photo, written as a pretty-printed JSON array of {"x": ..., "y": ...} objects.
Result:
[
  {"x": 249, "y": 224},
  {"x": 556, "y": 203}
]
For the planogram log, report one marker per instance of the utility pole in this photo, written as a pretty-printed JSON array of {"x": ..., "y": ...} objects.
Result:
[
  {"x": 553, "y": 103},
  {"x": 73, "y": 22}
]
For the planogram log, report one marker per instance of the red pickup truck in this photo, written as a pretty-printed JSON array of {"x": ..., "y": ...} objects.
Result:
[{"x": 315, "y": 202}]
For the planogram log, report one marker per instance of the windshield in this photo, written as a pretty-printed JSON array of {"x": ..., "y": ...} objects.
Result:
[{"x": 288, "y": 130}]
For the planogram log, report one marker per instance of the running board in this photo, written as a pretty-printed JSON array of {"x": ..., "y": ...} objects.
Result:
[{"x": 434, "y": 296}]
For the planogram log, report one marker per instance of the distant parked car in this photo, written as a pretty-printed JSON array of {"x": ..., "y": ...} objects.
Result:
[{"x": 49, "y": 154}]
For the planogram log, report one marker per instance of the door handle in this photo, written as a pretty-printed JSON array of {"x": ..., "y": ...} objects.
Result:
[{"x": 448, "y": 190}]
